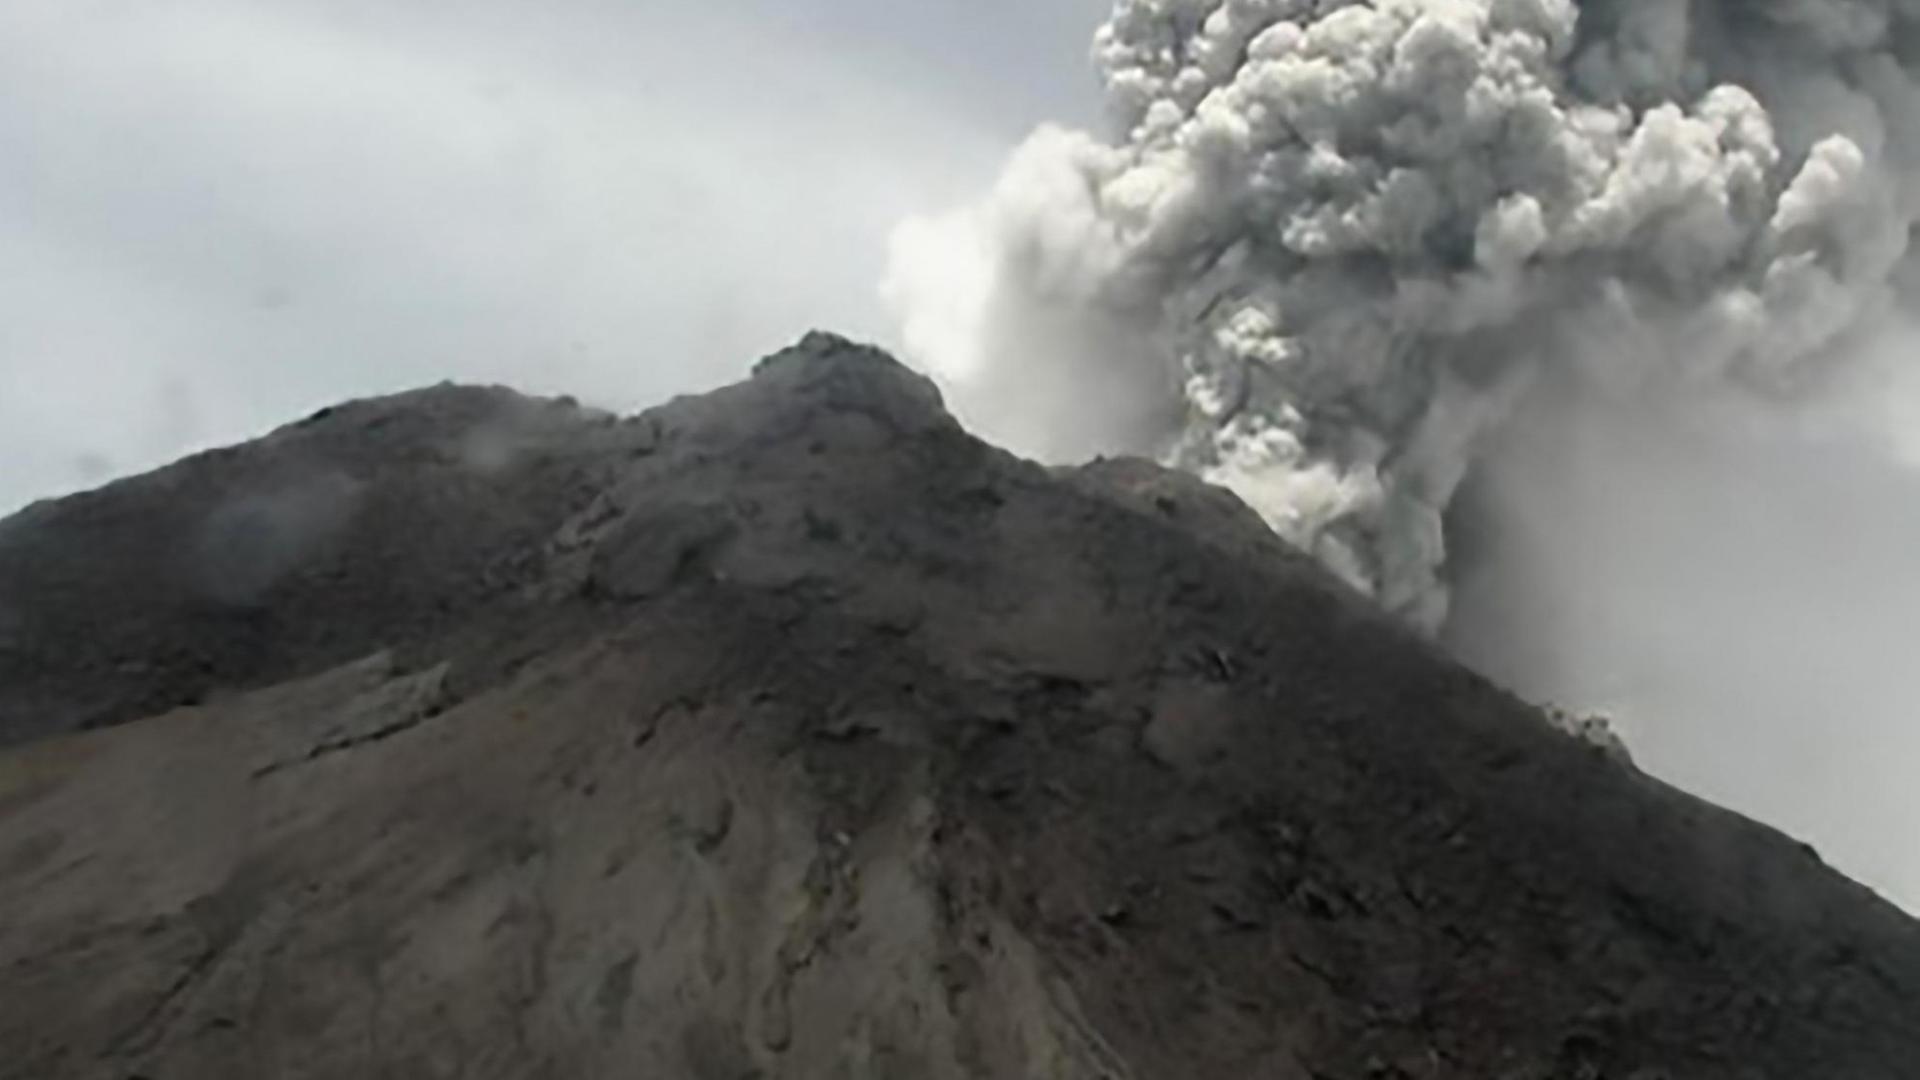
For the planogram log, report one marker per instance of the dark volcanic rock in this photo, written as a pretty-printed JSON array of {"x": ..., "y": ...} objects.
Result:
[
  {"x": 790, "y": 732},
  {"x": 380, "y": 524}
]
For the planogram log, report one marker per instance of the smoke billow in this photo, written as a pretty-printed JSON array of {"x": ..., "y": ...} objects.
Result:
[{"x": 1337, "y": 245}]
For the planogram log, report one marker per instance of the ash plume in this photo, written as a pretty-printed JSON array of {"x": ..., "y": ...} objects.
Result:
[{"x": 1334, "y": 246}]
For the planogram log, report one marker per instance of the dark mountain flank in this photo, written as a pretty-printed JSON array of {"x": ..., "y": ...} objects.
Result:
[{"x": 791, "y": 732}]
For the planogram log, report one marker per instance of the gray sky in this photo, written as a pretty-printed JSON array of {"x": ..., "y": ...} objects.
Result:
[{"x": 216, "y": 215}]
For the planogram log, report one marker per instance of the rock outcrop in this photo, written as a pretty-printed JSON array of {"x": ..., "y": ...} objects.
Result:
[{"x": 790, "y": 732}]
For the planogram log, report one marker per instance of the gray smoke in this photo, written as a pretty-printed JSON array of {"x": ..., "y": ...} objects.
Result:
[{"x": 1337, "y": 245}]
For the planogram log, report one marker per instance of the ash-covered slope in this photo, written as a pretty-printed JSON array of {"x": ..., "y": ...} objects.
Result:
[{"x": 791, "y": 732}]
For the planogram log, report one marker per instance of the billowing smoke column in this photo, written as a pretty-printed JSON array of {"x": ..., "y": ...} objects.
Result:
[{"x": 1346, "y": 236}]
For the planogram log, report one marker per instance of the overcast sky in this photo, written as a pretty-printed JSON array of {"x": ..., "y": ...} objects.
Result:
[{"x": 217, "y": 215}]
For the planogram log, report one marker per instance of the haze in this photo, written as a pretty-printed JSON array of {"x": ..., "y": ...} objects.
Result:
[{"x": 215, "y": 216}]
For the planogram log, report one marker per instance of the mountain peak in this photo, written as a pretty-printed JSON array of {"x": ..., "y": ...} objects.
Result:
[{"x": 789, "y": 731}]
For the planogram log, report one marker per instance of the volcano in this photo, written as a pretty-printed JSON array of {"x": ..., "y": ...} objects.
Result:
[{"x": 790, "y": 731}]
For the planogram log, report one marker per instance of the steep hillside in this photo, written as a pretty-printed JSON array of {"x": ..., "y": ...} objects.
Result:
[{"x": 790, "y": 732}]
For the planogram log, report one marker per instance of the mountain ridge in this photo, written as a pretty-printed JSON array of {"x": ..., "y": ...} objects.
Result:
[{"x": 789, "y": 731}]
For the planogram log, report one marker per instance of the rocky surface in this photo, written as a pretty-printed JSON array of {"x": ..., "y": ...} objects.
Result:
[{"x": 791, "y": 732}]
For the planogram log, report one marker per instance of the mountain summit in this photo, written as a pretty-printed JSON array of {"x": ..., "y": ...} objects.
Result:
[{"x": 791, "y": 732}]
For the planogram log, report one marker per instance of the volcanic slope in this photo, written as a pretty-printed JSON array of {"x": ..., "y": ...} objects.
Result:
[{"x": 791, "y": 732}]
